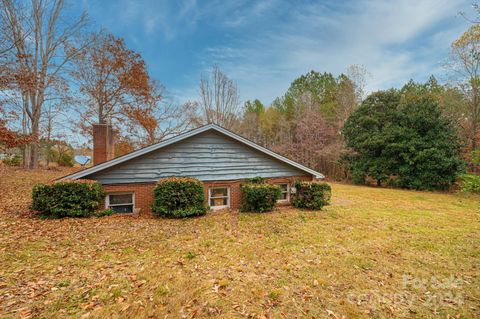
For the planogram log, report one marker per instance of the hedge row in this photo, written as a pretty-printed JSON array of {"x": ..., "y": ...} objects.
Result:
[
  {"x": 261, "y": 197},
  {"x": 80, "y": 198},
  {"x": 175, "y": 197},
  {"x": 183, "y": 197}
]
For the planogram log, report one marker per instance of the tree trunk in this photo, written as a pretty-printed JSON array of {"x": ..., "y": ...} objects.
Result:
[
  {"x": 25, "y": 131},
  {"x": 25, "y": 156},
  {"x": 34, "y": 149},
  {"x": 49, "y": 151},
  {"x": 34, "y": 156}
]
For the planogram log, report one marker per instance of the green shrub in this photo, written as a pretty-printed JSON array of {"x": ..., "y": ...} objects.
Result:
[
  {"x": 179, "y": 197},
  {"x": 14, "y": 160},
  {"x": 470, "y": 183},
  {"x": 65, "y": 160},
  {"x": 311, "y": 195},
  {"x": 79, "y": 198},
  {"x": 259, "y": 197}
]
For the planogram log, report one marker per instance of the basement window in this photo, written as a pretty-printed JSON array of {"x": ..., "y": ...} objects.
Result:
[
  {"x": 285, "y": 195},
  {"x": 120, "y": 202},
  {"x": 219, "y": 197}
]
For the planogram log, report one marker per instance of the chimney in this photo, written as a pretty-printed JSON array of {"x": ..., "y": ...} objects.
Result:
[{"x": 103, "y": 143}]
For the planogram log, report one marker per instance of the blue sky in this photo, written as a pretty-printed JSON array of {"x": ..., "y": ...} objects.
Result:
[{"x": 264, "y": 45}]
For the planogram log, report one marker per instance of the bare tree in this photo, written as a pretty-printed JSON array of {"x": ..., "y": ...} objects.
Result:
[
  {"x": 476, "y": 9},
  {"x": 41, "y": 37},
  {"x": 465, "y": 62},
  {"x": 50, "y": 126},
  {"x": 219, "y": 99},
  {"x": 346, "y": 100},
  {"x": 6, "y": 45},
  {"x": 192, "y": 115},
  {"x": 155, "y": 119},
  {"x": 313, "y": 138},
  {"x": 358, "y": 75}
]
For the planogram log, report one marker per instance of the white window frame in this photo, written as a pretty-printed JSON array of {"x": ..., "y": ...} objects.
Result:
[
  {"x": 107, "y": 200},
  {"x": 210, "y": 197},
  {"x": 287, "y": 200}
]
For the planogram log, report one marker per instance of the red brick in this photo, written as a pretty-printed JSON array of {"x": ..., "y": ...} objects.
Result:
[
  {"x": 103, "y": 143},
  {"x": 144, "y": 191}
]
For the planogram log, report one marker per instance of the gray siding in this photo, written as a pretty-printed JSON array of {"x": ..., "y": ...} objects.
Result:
[{"x": 207, "y": 156}]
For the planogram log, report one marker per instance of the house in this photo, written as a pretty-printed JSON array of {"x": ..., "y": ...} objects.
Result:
[{"x": 214, "y": 155}]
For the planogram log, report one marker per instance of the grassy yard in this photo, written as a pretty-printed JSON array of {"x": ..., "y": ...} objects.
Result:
[{"x": 373, "y": 253}]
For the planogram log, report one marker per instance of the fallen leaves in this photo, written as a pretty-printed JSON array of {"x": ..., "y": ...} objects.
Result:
[
  {"x": 16, "y": 185},
  {"x": 330, "y": 313},
  {"x": 287, "y": 264}
]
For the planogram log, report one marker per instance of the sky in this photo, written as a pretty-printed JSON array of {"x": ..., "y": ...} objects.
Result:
[{"x": 264, "y": 45}]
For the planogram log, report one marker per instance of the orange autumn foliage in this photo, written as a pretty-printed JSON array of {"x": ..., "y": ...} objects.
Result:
[
  {"x": 112, "y": 77},
  {"x": 9, "y": 138}
]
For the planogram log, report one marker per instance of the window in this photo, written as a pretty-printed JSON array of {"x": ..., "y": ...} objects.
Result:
[
  {"x": 285, "y": 196},
  {"x": 120, "y": 202},
  {"x": 219, "y": 197}
]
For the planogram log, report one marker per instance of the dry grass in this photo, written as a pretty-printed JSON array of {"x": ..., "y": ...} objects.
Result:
[{"x": 374, "y": 253}]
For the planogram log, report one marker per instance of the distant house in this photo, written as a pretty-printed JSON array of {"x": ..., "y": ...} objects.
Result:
[{"x": 214, "y": 155}]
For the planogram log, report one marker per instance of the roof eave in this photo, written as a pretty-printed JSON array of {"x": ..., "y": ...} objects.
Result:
[
  {"x": 267, "y": 151},
  {"x": 181, "y": 137},
  {"x": 132, "y": 155}
]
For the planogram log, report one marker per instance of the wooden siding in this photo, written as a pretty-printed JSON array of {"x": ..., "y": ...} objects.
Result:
[{"x": 209, "y": 156}]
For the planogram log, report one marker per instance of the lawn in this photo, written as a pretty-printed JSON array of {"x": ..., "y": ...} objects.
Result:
[{"x": 373, "y": 253}]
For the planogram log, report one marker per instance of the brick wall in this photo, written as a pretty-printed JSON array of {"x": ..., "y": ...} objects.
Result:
[
  {"x": 103, "y": 143},
  {"x": 144, "y": 191},
  {"x": 143, "y": 194}
]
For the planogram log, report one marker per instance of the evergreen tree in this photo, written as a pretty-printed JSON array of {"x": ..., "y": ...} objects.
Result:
[{"x": 406, "y": 142}]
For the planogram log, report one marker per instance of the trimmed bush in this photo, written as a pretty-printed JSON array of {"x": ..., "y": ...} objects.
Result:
[
  {"x": 470, "y": 183},
  {"x": 311, "y": 195},
  {"x": 80, "y": 198},
  {"x": 178, "y": 197},
  {"x": 259, "y": 197}
]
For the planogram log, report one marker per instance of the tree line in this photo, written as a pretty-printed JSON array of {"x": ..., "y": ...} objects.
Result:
[
  {"x": 55, "y": 71},
  {"x": 422, "y": 135}
]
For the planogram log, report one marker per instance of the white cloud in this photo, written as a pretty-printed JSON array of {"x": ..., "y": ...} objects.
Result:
[
  {"x": 164, "y": 17},
  {"x": 395, "y": 41},
  {"x": 264, "y": 45}
]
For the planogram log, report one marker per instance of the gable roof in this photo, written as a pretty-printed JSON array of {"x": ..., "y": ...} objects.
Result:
[{"x": 181, "y": 137}]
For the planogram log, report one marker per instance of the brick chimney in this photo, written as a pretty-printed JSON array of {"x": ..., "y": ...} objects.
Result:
[{"x": 103, "y": 143}]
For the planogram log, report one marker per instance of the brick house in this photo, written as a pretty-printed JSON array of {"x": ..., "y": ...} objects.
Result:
[{"x": 214, "y": 155}]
